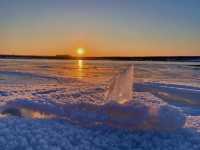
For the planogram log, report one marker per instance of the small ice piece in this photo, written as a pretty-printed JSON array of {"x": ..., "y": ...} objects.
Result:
[{"x": 120, "y": 89}]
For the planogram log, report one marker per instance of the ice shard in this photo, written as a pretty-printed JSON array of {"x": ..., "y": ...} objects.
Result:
[{"x": 120, "y": 89}]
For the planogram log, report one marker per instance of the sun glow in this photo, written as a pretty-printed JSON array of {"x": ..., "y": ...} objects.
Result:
[{"x": 80, "y": 51}]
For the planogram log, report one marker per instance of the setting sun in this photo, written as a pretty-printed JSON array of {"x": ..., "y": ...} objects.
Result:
[{"x": 80, "y": 51}]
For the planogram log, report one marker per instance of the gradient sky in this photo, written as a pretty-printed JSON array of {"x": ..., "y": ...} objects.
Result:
[{"x": 102, "y": 27}]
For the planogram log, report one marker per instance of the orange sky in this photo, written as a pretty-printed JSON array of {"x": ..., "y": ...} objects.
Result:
[{"x": 103, "y": 28}]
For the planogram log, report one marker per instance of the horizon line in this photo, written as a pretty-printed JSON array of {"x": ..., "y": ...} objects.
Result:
[{"x": 103, "y": 56}]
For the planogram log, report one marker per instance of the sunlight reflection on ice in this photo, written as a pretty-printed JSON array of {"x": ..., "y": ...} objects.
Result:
[{"x": 80, "y": 69}]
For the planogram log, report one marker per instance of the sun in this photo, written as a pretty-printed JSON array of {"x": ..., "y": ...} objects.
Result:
[{"x": 80, "y": 51}]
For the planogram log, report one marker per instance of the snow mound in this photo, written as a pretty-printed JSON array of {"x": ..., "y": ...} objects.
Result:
[
  {"x": 136, "y": 115},
  {"x": 145, "y": 112}
]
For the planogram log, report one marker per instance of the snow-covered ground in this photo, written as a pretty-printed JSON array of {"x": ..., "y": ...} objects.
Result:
[{"x": 48, "y": 104}]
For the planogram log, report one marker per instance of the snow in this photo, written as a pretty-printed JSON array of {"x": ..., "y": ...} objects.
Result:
[
  {"x": 61, "y": 105},
  {"x": 21, "y": 133}
]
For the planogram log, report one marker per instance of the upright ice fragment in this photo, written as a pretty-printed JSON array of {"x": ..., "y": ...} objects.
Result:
[{"x": 120, "y": 89}]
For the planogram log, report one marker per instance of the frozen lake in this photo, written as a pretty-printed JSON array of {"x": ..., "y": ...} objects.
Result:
[
  {"x": 177, "y": 83},
  {"x": 43, "y": 95}
]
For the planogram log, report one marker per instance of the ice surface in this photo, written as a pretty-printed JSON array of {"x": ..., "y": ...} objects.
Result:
[{"x": 61, "y": 105}]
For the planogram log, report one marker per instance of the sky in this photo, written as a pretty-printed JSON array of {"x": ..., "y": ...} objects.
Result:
[{"x": 101, "y": 27}]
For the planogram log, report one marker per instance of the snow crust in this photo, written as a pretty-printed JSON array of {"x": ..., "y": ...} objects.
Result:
[
  {"x": 21, "y": 133},
  {"x": 58, "y": 105}
]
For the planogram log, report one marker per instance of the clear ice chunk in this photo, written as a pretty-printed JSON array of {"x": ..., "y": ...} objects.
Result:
[{"x": 120, "y": 89}]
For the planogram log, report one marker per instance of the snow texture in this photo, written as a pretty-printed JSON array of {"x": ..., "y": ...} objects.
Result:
[{"x": 61, "y": 105}]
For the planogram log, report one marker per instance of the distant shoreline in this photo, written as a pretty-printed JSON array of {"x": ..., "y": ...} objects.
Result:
[{"x": 66, "y": 57}]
